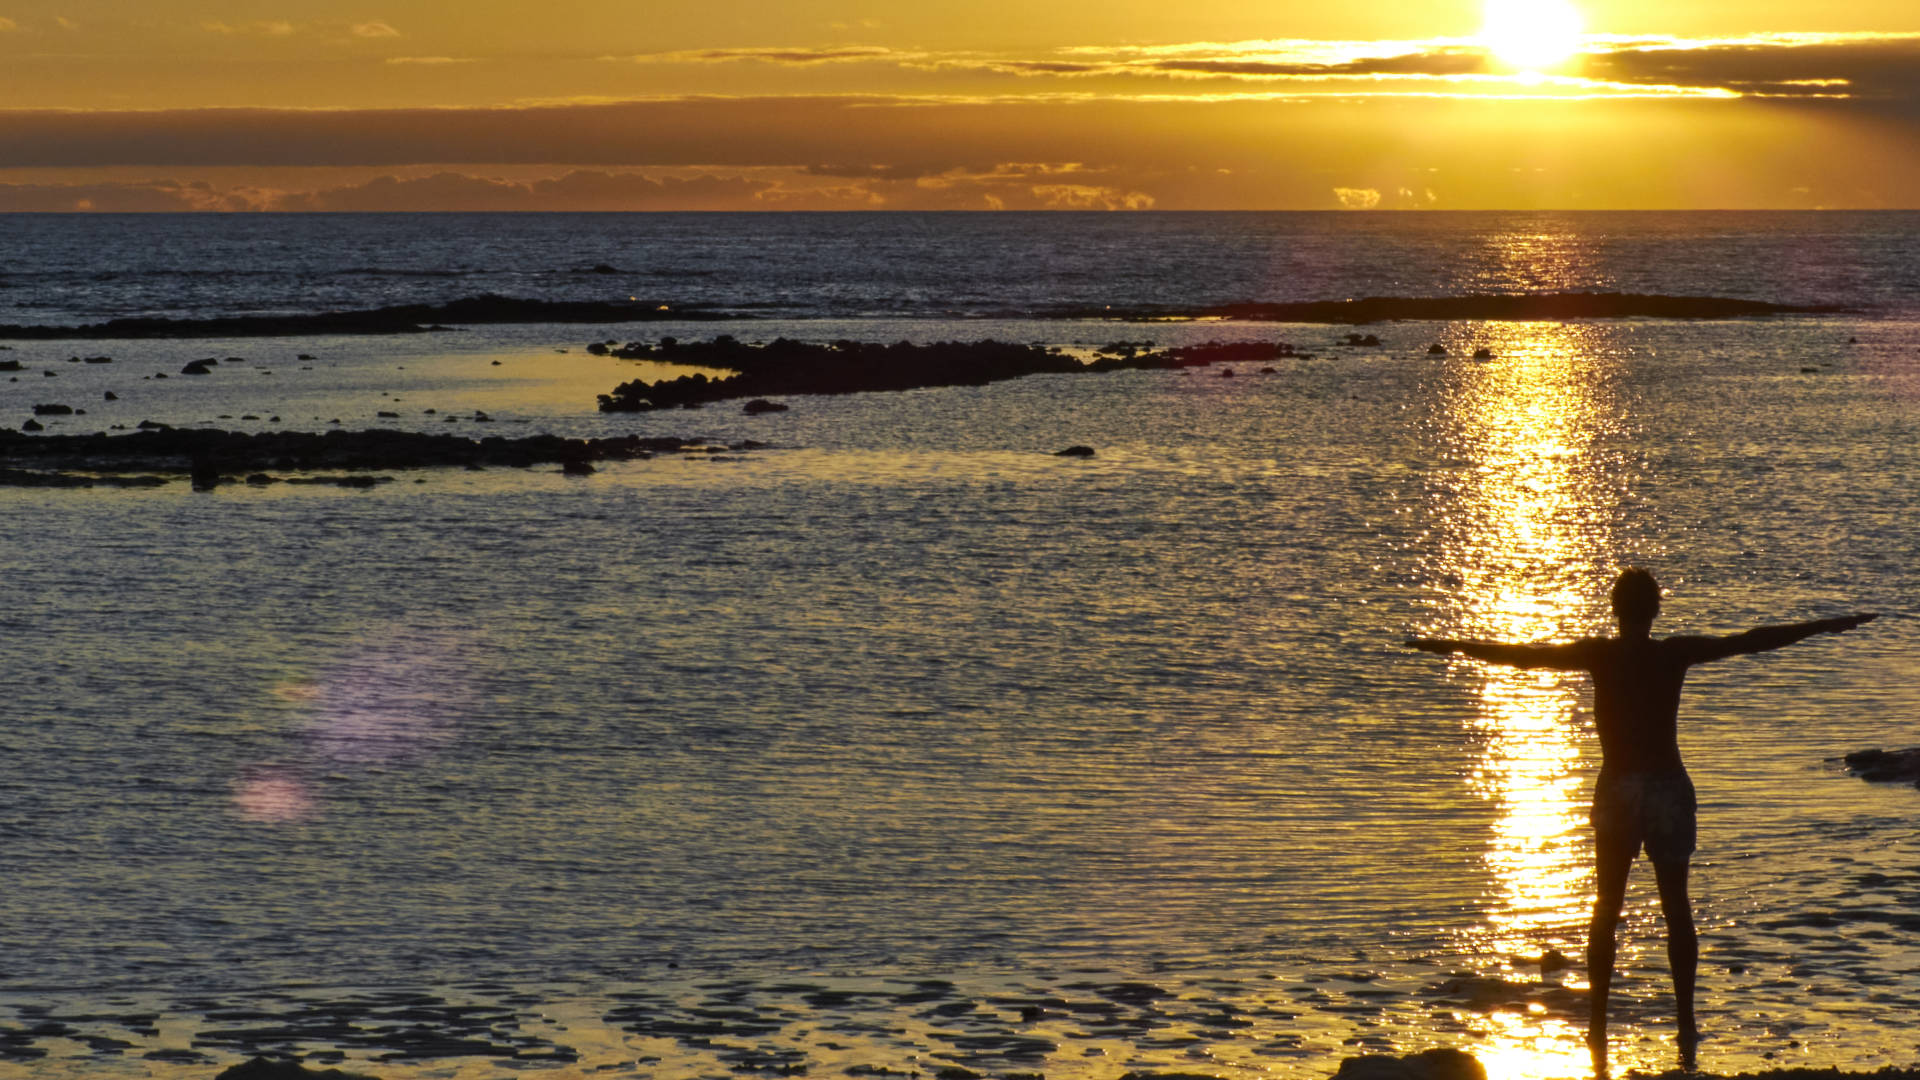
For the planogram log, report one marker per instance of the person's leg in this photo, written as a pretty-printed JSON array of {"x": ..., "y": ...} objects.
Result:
[
  {"x": 1612, "y": 859},
  {"x": 1683, "y": 945}
]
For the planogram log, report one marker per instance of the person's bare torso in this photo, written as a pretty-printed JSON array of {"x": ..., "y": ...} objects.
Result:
[{"x": 1636, "y": 701}]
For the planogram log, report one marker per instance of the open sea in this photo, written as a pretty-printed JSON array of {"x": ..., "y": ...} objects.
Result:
[{"x": 901, "y": 745}]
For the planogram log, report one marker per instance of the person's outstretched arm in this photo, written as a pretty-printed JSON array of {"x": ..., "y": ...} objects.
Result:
[
  {"x": 1573, "y": 656},
  {"x": 1764, "y": 638}
]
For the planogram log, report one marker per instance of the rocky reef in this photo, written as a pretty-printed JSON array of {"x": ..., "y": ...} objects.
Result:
[
  {"x": 398, "y": 319},
  {"x": 784, "y": 367}
]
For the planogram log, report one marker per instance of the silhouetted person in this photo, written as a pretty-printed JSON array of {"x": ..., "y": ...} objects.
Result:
[{"x": 1643, "y": 797}]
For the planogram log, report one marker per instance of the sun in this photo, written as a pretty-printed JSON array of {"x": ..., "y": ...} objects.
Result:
[{"x": 1531, "y": 35}]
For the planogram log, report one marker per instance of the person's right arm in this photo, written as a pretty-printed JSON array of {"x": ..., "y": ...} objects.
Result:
[
  {"x": 1572, "y": 656},
  {"x": 1765, "y": 638}
]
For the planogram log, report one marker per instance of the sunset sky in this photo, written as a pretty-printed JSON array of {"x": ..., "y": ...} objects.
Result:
[{"x": 845, "y": 104}]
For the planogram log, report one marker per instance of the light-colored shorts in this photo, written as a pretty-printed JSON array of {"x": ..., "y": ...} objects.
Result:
[{"x": 1650, "y": 809}]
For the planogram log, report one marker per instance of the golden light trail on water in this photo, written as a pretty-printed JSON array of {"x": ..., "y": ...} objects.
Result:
[{"x": 1527, "y": 549}]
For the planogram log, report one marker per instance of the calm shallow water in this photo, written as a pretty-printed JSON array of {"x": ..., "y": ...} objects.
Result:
[{"x": 904, "y": 743}]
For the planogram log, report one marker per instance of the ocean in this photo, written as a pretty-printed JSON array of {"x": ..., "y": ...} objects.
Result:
[{"x": 895, "y": 743}]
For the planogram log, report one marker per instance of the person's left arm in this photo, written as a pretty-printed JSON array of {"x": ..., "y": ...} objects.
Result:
[{"x": 1765, "y": 638}]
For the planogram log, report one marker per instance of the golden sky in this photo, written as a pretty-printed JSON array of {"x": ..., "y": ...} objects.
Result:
[{"x": 831, "y": 104}]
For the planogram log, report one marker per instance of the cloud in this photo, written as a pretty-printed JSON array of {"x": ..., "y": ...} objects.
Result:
[
  {"x": 838, "y": 55},
  {"x": 575, "y": 191},
  {"x": 7, "y": 25},
  {"x": 1879, "y": 67},
  {"x": 876, "y": 172},
  {"x": 1356, "y": 198},
  {"x": 1251, "y": 151},
  {"x": 432, "y": 61},
  {"x": 1090, "y": 197},
  {"x": 152, "y": 196},
  {"x": 375, "y": 29},
  {"x": 257, "y": 28}
]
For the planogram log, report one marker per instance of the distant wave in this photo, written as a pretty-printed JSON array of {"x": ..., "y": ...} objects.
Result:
[
  {"x": 382, "y": 271},
  {"x": 1490, "y": 306},
  {"x": 398, "y": 319},
  {"x": 490, "y": 309}
]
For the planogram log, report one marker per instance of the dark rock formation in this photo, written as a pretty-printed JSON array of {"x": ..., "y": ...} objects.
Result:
[
  {"x": 198, "y": 367},
  {"x": 1483, "y": 353},
  {"x": 264, "y": 1068},
  {"x": 53, "y": 410},
  {"x": 762, "y": 405},
  {"x": 1886, "y": 766},
  {"x": 12, "y": 365},
  {"x": 1439, "y": 1064},
  {"x": 210, "y": 458},
  {"x": 1074, "y": 451},
  {"x": 793, "y": 367},
  {"x": 1436, "y": 349},
  {"x": 785, "y": 367}
]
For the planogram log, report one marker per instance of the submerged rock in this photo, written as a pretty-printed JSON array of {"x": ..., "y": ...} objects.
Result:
[{"x": 1886, "y": 766}]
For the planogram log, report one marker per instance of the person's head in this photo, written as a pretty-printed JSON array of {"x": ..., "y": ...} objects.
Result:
[{"x": 1636, "y": 596}]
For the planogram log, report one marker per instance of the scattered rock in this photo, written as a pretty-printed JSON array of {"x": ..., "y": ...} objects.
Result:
[
  {"x": 1436, "y": 349},
  {"x": 198, "y": 367},
  {"x": 12, "y": 365},
  {"x": 97, "y": 360},
  {"x": 387, "y": 415},
  {"x": 1227, "y": 373},
  {"x": 110, "y": 396},
  {"x": 33, "y": 425},
  {"x": 1483, "y": 353},
  {"x": 577, "y": 467},
  {"x": 53, "y": 410},
  {"x": 762, "y": 405},
  {"x": 1886, "y": 766},
  {"x": 1074, "y": 451}
]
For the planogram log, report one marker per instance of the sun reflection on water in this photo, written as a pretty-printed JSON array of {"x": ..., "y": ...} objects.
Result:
[{"x": 1527, "y": 547}]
